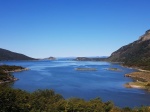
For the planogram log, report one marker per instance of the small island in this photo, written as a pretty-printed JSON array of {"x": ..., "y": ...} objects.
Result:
[
  {"x": 85, "y": 69},
  {"x": 142, "y": 80},
  {"x": 90, "y": 59},
  {"x": 51, "y": 58},
  {"x": 5, "y": 73},
  {"x": 113, "y": 69}
]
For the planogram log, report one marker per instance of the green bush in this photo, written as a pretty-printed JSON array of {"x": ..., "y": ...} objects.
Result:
[{"x": 14, "y": 100}]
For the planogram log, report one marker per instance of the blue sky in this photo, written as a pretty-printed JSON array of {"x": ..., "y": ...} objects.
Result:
[{"x": 43, "y": 28}]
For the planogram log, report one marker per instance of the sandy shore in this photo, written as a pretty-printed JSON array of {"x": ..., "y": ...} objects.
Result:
[
  {"x": 142, "y": 80},
  {"x": 132, "y": 85}
]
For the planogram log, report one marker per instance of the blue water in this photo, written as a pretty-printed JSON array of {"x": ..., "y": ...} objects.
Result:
[{"x": 61, "y": 76}]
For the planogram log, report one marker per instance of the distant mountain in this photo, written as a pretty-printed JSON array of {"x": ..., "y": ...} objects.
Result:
[
  {"x": 50, "y": 58},
  {"x": 135, "y": 54},
  {"x": 9, "y": 55}
]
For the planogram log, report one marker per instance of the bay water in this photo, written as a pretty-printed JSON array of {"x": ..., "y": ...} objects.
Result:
[{"x": 62, "y": 77}]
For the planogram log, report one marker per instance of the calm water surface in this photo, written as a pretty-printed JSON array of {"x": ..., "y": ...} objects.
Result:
[{"x": 62, "y": 77}]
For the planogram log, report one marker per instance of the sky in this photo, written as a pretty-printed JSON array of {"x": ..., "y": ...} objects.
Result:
[{"x": 64, "y": 28}]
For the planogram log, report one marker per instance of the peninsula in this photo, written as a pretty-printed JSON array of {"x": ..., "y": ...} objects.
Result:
[
  {"x": 5, "y": 73},
  {"x": 141, "y": 80}
]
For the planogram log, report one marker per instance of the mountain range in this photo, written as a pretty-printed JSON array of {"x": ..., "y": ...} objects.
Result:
[
  {"x": 9, "y": 55},
  {"x": 135, "y": 54}
]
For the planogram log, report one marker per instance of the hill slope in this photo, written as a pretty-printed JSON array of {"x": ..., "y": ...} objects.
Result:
[
  {"x": 9, "y": 55},
  {"x": 135, "y": 54}
]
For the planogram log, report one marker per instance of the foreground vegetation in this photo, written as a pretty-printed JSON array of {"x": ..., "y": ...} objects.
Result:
[{"x": 14, "y": 100}]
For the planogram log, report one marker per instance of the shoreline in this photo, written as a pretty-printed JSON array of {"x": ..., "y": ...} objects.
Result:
[
  {"x": 128, "y": 85},
  {"x": 14, "y": 79},
  {"x": 139, "y": 69},
  {"x": 17, "y": 70},
  {"x": 10, "y": 78},
  {"x": 141, "y": 80}
]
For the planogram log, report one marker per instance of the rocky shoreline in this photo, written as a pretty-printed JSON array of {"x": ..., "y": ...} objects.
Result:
[
  {"x": 14, "y": 79},
  {"x": 5, "y": 73},
  {"x": 141, "y": 76}
]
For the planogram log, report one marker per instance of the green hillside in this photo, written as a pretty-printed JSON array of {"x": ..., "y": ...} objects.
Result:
[
  {"x": 9, "y": 55},
  {"x": 136, "y": 54}
]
